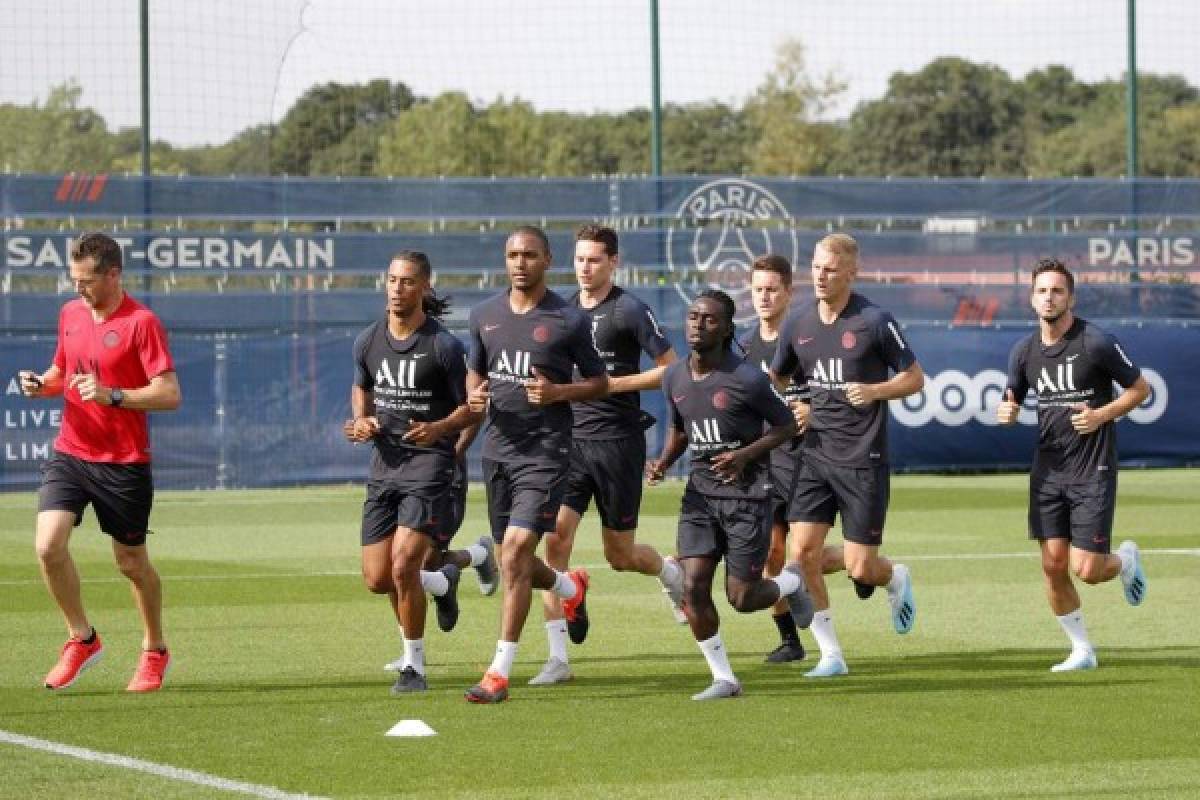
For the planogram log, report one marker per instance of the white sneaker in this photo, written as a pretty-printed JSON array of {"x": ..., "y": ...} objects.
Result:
[
  {"x": 674, "y": 592},
  {"x": 1079, "y": 659},
  {"x": 554, "y": 671},
  {"x": 828, "y": 667},
  {"x": 1134, "y": 583},
  {"x": 720, "y": 690},
  {"x": 904, "y": 608}
]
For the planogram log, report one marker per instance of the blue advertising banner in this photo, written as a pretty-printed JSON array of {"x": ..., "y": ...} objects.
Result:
[{"x": 265, "y": 408}]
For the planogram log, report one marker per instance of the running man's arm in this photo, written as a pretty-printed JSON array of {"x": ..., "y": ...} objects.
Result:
[
  {"x": 674, "y": 445},
  {"x": 1087, "y": 420},
  {"x": 642, "y": 381},
  {"x": 161, "y": 394},
  {"x": 904, "y": 383},
  {"x": 49, "y": 384}
]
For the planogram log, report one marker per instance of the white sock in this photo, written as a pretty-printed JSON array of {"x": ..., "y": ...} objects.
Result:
[
  {"x": 503, "y": 660},
  {"x": 822, "y": 631},
  {"x": 787, "y": 581},
  {"x": 434, "y": 582},
  {"x": 556, "y": 633},
  {"x": 1072, "y": 625},
  {"x": 896, "y": 582},
  {"x": 478, "y": 554},
  {"x": 670, "y": 572},
  {"x": 564, "y": 587},
  {"x": 717, "y": 658},
  {"x": 414, "y": 654}
]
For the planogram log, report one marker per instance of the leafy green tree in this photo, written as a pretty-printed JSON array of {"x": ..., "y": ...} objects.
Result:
[
  {"x": 784, "y": 114},
  {"x": 952, "y": 118},
  {"x": 59, "y": 136},
  {"x": 325, "y": 115}
]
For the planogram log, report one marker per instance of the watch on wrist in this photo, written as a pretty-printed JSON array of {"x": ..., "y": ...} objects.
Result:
[{"x": 116, "y": 397}]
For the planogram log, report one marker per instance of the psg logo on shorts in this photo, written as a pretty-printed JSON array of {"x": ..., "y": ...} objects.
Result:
[
  {"x": 720, "y": 399},
  {"x": 848, "y": 340},
  {"x": 720, "y": 228},
  {"x": 111, "y": 339},
  {"x": 541, "y": 334}
]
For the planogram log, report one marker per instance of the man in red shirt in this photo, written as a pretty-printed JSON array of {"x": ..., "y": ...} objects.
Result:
[{"x": 111, "y": 366}]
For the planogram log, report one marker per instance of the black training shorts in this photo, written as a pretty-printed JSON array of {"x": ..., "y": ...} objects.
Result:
[
  {"x": 610, "y": 470},
  {"x": 822, "y": 491},
  {"x": 1081, "y": 512},
  {"x": 523, "y": 495},
  {"x": 738, "y": 529},
  {"x": 120, "y": 494}
]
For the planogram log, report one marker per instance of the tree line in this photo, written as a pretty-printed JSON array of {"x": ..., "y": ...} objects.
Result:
[{"x": 952, "y": 118}]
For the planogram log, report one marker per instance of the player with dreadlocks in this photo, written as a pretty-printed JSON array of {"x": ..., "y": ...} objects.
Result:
[
  {"x": 727, "y": 411},
  {"x": 409, "y": 400}
]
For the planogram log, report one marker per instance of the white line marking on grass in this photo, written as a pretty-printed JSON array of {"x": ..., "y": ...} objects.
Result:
[
  {"x": 237, "y": 576},
  {"x": 162, "y": 770}
]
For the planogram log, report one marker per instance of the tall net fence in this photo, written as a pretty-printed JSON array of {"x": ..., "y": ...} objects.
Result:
[{"x": 534, "y": 87}]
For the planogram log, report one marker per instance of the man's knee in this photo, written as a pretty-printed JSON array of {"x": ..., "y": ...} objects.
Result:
[
  {"x": 132, "y": 562},
  {"x": 619, "y": 553}
]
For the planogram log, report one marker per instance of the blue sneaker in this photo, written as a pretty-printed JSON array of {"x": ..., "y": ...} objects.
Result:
[
  {"x": 904, "y": 609},
  {"x": 828, "y": 667},
  {"x": 1134, "y": 582}
]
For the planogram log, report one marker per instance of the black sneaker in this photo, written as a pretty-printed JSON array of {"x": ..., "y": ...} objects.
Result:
[
  {"x": 788, "y": 651},
  {"x": 409, "y": 681},
  {"x": 863, "y": 590},
  {"x": 447, "y": 604},
  {"x": 575, "y": 609}
]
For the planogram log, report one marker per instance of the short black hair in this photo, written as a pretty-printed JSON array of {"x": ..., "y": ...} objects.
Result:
[
  {"x": 103, "y": 248},
  {"x": 774, "y": 263},
  {"x": 1053, "y": 265},
  {"x": 533, "y": 230},
  {"x": 599, "y": 233}
]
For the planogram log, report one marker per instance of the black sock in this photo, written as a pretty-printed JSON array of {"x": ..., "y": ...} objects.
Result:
[
  {"x": 91, "y": 639},
  {"x": 787, "y": 627}
]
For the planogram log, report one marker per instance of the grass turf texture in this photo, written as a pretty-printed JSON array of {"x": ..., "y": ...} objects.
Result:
[{"x": 278, "y": 650}]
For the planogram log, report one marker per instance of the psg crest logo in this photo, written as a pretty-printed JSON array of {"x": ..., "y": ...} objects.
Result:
[
  {"x": 541, "y": 334},
  {"x": 720, "y": 399},
  {"x": 720, "y": 228}
]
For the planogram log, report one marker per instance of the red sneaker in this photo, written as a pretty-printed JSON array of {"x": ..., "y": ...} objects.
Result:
[
  {"x": 572, "y": 607},
  {"x": 492, "y": 689},
  {"x": 74, "y": 659},
  {"x": 151, "y": 669}
]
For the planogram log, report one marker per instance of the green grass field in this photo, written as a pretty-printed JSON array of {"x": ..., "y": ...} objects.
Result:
[{"x": 278, "y": 652}]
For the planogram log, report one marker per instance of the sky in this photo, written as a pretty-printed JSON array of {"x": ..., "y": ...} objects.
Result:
[{"x": 219, "y": 66}]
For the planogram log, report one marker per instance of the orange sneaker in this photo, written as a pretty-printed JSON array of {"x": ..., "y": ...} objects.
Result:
[
  {"x": 76, "y": 656},
  {"x": 151, "y": 669},
  {"x": 572, "y": 608},
  {"x": 492, "y": 689}
]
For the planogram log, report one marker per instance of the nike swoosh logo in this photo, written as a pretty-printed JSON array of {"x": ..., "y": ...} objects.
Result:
[
  {"x": 419, "y": 355},
  {"x": 489, "y": 328},
  {"x": 599, "y": 316},
  {"x": 679, "y": 399},
  {"x": 1072, "y": 358},
  {"x": 805, "y": 341}
]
